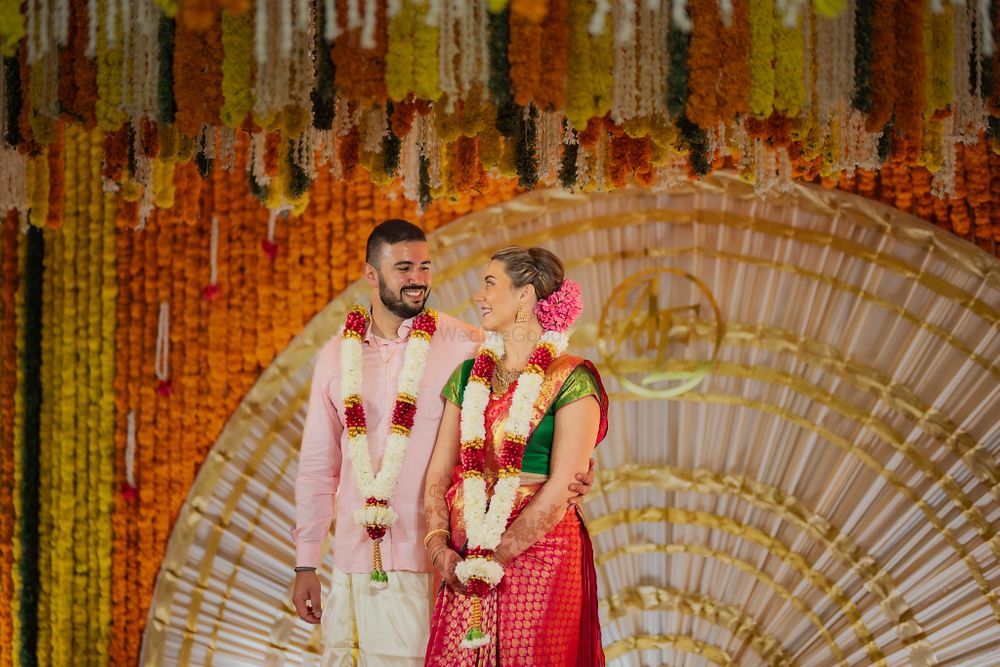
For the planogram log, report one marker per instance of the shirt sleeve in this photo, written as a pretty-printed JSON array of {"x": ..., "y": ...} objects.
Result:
[
  {"x": 319, "y": 465},
  {"x": 579, "y": 384},
  {"x": 453, "y": 388}
]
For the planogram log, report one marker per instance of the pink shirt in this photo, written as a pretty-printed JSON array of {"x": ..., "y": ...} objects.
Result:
[{"x": 325, "y": 469}]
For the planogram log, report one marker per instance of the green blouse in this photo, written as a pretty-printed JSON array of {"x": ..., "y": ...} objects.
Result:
[{"x": 538, "y": 451}]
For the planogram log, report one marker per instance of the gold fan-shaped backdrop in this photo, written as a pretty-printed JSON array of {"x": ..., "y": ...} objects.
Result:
[{"x": 802, "y": 465}]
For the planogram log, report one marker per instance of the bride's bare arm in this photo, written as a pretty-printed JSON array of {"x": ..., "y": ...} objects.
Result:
[
  {"x": 575, "y": 433},
  {"x": 443, "y": 461}
]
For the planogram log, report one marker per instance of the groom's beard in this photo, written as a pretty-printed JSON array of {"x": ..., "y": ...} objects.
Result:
[{"x": 396, "y": 304}]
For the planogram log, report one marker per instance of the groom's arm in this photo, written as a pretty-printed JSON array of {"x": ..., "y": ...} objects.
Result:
[{"x": 575, "y": 429}]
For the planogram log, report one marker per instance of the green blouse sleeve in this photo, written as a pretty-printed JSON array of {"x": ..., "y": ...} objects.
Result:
[
  {"x": 455, "y": 387},
  {"x": 579, "y": 384}
]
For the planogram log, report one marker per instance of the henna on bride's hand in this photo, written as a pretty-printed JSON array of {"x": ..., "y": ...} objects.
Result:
[
  {"x": 437, "y": 510},
  {"x": 528, "y": 529}
]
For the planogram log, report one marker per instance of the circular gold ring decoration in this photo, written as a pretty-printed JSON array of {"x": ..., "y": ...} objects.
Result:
[{"x": 635, "y": 324}]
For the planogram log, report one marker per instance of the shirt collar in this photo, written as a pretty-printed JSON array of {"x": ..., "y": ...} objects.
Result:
[{"x": 404, "y": 331}]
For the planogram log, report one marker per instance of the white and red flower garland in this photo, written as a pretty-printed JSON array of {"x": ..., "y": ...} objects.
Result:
[
  {"x": 376, "y": 516},
  {"x": 485, "y": 521}
]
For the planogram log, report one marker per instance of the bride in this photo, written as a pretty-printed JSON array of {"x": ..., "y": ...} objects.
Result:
[{"x": 520, "y": 420}]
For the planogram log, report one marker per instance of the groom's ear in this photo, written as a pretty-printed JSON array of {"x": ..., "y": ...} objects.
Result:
[{"x": 371, "y": 275}]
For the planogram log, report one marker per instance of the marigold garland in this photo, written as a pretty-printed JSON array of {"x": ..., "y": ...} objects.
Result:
[
  {"x": 237, "y": 66},
  {"x": 360, "y": 71},
  {"x": 11, "y": 26},
  {"x": 9, "y": 438},
  {"x": 412, "y": 54},
  {"x": 57, "y": 186},
  {"x": 551, "y": 92},
  {"x": 425, "y": 41},
  {"x": 77, "y": 73},
  {"x": 590, "y": 63},
  {"x": 30, "y": 605},
  {"x": 883, "y": 59},
  {"x": 198, "y": 76},
  {"x": 938, "y": 41},
  {"x": 910, "y": 69},
  {"x": 110, "y": 61},
  {"x": 704, "y": 63},
  {"x": 38, "y": 193},
  {"x": 733, "y": 92},
  {"x": 762, "y": 53},
  {"x": 524, "y": 54},
  {"x": 789, "y": 72}
]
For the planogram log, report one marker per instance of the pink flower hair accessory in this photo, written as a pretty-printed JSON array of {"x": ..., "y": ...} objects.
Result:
[{"x": 560, "y": 310}]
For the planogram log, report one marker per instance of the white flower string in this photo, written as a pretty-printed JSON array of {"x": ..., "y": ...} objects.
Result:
[
  {"x": 986, "y": 28},
  {"x": 598, "y": 20},
  {"x": 411, "y": 166},
  {"x": 354, "y": 20},
  {"x": 13, "y": 179},
  {"x": 549, "y": 142},
  {"x": 368, "y": 28},
  {"x": 376, "y": 129},
  {"x": 447, "y": 54},
  {"x": 679, "y": 15},
  {"x": 726, "y": 12},
  {"x": 91, "y": 50},
  {"x": 162, "y": 361},
  {"x": 130, "y": 450},
  {"x": 624, "y": 92},
  {"x": 330, "y": 28},
  {"x": 213, "y": 258}
]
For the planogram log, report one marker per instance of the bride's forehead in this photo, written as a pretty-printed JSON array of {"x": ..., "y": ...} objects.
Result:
[{"x": 493, "y": 268}]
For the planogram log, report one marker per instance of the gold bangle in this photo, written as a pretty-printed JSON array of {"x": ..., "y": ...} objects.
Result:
[
  {"x": 437, "y": 531},
  {"x": 437, "y": 552}
]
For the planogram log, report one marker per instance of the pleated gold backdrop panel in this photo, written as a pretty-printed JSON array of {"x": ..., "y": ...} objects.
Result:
[{"x": 802, "y": 464}]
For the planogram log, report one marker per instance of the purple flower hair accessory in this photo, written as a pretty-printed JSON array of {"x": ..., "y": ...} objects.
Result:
[{"x": 559, "y": 311}]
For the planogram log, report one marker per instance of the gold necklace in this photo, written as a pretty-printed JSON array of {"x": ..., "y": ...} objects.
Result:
[
  {"x": 503, "y": 378},
  {"x": 378, "y": 351}
]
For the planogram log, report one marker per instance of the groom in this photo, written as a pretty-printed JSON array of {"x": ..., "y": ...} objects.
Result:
[{"x": 380, "y": 599}]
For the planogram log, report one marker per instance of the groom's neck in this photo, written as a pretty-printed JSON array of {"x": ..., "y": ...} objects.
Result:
[{"x": 385, "y": 324}]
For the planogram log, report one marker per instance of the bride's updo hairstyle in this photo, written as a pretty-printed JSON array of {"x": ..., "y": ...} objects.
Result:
[{"x": 537, "y": 267}]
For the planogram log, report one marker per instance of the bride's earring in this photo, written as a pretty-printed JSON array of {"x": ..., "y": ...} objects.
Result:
[{"x": 520, "y": 316}]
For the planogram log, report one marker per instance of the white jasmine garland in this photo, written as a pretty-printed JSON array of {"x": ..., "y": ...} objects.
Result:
[
  {"x": 382, "y": 484},
  {"x": 486, "y": 521},
  {"x": 375, "y": 514},
  {"x": 480, "y": 568}
]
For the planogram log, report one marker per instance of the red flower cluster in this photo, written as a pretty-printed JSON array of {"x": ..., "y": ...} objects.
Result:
[
  {"x": 541, "y": 357},
  {"x": 473, "y": 458},
  {"x": 483, "y": 366},
  {"x": 357, "y": 321},
  {"x": 354, "y": 414},
  {"x": 425, "y": 322},
  {"x": 477, "y": 586},
  {"x": 512, "y": 453},
  {"x": 376, "y": 532},
  {"x": 402, "y": 414}
]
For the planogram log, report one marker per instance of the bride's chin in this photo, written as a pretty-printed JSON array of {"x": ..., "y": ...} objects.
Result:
[{"x": 489, "y": 324}]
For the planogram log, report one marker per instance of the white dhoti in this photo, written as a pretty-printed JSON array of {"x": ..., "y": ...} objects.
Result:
[{"x": 363, "y": 628}]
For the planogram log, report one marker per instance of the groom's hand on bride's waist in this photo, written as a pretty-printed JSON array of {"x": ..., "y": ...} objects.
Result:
[{"x": 583, "y": 484}]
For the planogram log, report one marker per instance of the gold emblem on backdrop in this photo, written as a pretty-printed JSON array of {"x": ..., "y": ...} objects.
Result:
[{"x": 645, "y": 332}]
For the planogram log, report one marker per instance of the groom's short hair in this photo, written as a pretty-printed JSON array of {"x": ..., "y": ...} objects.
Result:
[{"x": 391, "y": 232}]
